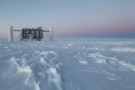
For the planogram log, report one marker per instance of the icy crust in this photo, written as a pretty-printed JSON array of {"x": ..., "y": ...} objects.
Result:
[{"x": 82, "y": 65}]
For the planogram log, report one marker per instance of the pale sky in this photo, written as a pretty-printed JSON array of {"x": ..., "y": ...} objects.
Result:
[{"x": 70, "y": 17}]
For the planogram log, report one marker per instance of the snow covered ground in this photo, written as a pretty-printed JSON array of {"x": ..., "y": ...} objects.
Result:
[{"x": 83, "y": 64}]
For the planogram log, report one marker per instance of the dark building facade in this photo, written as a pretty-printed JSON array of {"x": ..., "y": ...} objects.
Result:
[{"x": 33, "y": 34}]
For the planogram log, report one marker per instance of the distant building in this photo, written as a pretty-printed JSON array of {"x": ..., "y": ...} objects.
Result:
[{"x": 31, "y": 34}]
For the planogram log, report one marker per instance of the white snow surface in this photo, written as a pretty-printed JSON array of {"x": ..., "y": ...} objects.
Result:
[{"x": 84, "y": 64}]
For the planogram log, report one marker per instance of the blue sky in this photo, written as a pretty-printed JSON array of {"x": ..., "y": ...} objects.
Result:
[{"x": 70, "y": 17}]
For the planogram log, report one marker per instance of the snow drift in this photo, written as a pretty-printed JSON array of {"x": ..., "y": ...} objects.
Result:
[{"x": 68, "y": 65}]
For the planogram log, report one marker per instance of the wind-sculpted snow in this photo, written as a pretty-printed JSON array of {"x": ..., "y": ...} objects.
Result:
[{"x": 68, "y": 65}]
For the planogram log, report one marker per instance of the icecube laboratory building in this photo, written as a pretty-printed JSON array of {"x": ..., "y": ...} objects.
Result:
[{"x": 26, "y": 34}]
